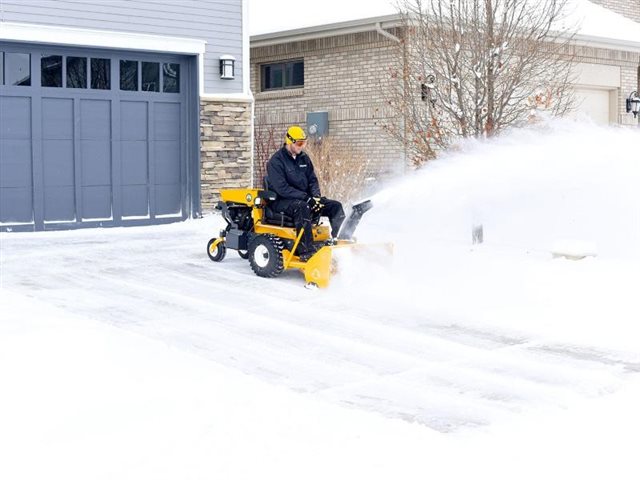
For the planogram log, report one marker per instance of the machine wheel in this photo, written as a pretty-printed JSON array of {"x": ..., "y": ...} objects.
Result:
[
  {"x": 218, "y": 253},
  {"x": 265, "y": 255},
  {"x": 244, "y": 254}
]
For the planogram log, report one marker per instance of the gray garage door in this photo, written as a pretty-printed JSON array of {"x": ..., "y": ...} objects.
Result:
[{"x": 91, "y": 138}]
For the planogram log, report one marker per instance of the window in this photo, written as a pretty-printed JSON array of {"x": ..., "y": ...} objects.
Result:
[
  {"x": 128, "y": 75},
  {"x": 171, "y": 77},
  {"x": 17, "y": 69},
  {"x": 150, "y": 77},
  {"x": 51, "y": 71},
  {"x": 1, "y": 68},
  {"x": 277, "y": 76},
  {"x": 76, "y": 72},
  {"x": 100, "y": 74}
]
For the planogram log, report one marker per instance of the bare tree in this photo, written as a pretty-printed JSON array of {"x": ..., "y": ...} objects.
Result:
[
  {"x": 267, "y": 139},
  {"x": 475, "y": 67},
  {"x": 342, "y": 171}
]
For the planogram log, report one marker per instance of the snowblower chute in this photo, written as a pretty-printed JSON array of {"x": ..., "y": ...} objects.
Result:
[{"x": 269, "y": 241}]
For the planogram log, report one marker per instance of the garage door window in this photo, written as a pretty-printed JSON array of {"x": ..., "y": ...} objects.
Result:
[
  {"x": 128, "y": 75},
  {"x": 150, "y": 77},
  {"x": 51, "y": 70},
  {"x": 76, "y": 72},
  {"x": 100, "y": 73},
  {"x": 17, "y": 69},
  {"x": 171, "y": 77}
]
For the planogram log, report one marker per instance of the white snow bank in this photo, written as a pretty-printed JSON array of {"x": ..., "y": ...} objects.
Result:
[{"x": 529, "y": 190}]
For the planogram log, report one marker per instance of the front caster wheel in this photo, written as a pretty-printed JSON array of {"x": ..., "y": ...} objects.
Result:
[{"x": 216, "y": 253}]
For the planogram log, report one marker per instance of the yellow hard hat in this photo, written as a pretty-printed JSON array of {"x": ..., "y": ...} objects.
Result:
[{"x": 294, "y": 134}]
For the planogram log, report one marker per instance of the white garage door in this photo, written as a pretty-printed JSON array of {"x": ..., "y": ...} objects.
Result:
[{"x": 595, "y": 104}]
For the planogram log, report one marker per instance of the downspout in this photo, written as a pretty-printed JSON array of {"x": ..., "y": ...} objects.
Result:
[
  {"x": 393, "y": 38},
  {"x": 384, "y": 33}
]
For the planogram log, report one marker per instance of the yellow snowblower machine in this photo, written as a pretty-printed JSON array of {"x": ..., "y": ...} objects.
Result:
[{"x": 268, "y": 238}]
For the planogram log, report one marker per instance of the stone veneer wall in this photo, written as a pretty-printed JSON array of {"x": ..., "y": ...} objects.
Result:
[
  {"x": 225, "y": 148},
  {"x": 628, "y": 8}
]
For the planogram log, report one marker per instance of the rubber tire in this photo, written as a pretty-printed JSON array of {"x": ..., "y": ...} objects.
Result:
[
  {"x": 270, "y": 247},
  {"x": 244, "y": 254},
  {"x": 219, "y": 253}
]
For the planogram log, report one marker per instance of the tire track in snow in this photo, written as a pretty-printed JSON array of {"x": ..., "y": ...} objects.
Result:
[{"x": 445, "y": 376}]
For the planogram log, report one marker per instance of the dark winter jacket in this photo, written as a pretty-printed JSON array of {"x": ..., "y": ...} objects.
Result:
[{"x": 292, "y": 178}]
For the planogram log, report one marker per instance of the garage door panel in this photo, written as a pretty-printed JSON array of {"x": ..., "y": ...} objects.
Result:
[
  {"x": 95, "y": 119},
  {"x": 135, "y": 200},
  {"x": 15, "y": 118},
  {"x": 59, "y": 203},
  {"x": 16, "y": 205},
  {"x": 167, "y": 121},
  {"x": 594, "y": 104},
  {"x": 134, "y": 116},
  {"x": 135, "y": 169},
  {"x": 15, "y": 163},
  {"x": 96, "y": 162},
  {"x": 70, "y": 155},
  {"x": 57, "y": 118},
  {"x": 96, "y": 202},
  {"x": 168, "y": 199},
  {"x": 57, "y": 157},
  {"x": 167, "y": 162}
]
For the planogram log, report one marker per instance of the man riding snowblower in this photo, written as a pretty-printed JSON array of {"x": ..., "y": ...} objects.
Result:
[
  {"x": 290, "y": 174},
  {"x": 270, "y": 226}
]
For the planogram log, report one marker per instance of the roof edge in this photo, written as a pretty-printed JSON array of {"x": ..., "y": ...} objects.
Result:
[{"x": 327, "y": 30}]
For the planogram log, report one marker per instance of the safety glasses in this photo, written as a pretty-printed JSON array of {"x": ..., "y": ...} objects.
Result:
[{"x": 301, "y": 143}]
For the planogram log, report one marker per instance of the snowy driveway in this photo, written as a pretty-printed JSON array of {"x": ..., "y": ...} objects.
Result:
[{"x": 389, "y": 353}]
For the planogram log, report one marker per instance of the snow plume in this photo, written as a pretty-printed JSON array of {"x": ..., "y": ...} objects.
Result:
[{"x": 537, "y": 197}]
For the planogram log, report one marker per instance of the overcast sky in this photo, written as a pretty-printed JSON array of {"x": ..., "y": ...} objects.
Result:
[
  {"x": 274, "y": 15},
  {"x": 266, "y": 16}
]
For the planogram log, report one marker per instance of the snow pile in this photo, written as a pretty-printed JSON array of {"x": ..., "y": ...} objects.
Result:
[
  {"x": 528, "y": 190},
  {"x": 568, "y": 188}
]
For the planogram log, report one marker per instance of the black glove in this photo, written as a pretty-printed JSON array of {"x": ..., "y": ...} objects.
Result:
[{"x": 314, "y": 204}]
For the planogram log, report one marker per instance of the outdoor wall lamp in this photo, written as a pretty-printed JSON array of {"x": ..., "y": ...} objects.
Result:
[
  {"x": 227, "y": 67},
  {"x": 428, "y": 90},
  {"x": 633, "y": 103}
]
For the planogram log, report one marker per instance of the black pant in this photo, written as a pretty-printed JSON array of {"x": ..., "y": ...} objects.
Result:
[{"x": 303, "y": 217}]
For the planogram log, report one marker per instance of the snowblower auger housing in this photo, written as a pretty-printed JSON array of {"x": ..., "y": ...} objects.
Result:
[{"x": 268, "y": 239}]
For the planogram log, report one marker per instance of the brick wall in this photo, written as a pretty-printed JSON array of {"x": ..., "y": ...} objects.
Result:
[
  {"x": 629, "y": 63},
  {"x": 628, "y": 8},
  {"x": 225, "y": 148},
  {"x": 343, "y": 76}
]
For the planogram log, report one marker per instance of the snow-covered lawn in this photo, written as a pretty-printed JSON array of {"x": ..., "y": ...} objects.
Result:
[{"x": 127, "y": 354}]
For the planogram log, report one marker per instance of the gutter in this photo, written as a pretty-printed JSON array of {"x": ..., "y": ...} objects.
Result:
[
  {"x": 384, "y": 33},
  {"x": 608, "y": 43},
  {"x": 329, "y": 30}
]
